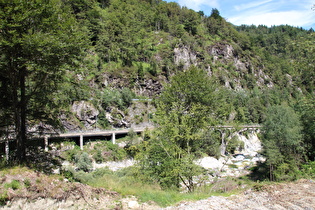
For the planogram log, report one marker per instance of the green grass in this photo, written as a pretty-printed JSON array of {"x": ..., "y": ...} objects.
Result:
[
  {"x": 15, "y": 184},
  {"x": 126, "y": 184}
]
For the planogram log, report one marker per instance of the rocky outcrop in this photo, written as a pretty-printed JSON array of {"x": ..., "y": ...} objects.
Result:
[
  {"x": 117, "y": 118},
  {"x": 149, "y": 87},
  {"x": 184, "y": 56},
  {"x": 237, "y": 67},
  {"x": 221, "y": 51},
  {"x": 252, "y": 145},
  {"x": 85, "y": 112}
]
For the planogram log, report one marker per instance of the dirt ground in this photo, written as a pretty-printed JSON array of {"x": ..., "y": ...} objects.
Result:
[
  {"x": 39, "y": 191},
  {"x": 295, "y": 195}
]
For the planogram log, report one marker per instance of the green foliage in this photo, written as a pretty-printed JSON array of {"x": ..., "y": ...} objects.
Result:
[
  {"x": 209, "y": 144},
  {"x": 70, "y": 154},
  {"x": 132, "y": 147},
  {"x": 308, "y": 170},
  {"x": 14, "y": 185},
  {"x": 48, "y": 41},
  {"x": 306, "y": 108},
  {"x": 83, "y": 162},
  {"x": 115, "y": 153},
  {"x": 183, "y": 110},
  {"x": 4, "y": 197},
  {"x": 234, "y": 144},
  {"x": 113, "y": 97},
  {"x": 98, "y": 157},
  {"x": 282, "y": 141},
  {"x": 27, "y": 183}
]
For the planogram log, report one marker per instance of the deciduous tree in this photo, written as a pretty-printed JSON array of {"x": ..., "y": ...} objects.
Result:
[
  {"x": 282, "y": 141},
  {"x": 183, "y": 112}
]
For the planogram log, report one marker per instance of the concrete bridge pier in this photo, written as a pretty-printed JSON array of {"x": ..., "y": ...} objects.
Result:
[
  {"x": 46, "y": 143},
  {"x": 81, "y": 142},
  {"x": 7, "y": 150},
  {"x": 113, "y": 138}
]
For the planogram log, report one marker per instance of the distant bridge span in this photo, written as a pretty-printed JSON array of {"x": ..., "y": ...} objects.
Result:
[
  {"x": 83, "y": 134},
  {"x": 125, "y": 131},
  {"x": 112, "y": 133}
]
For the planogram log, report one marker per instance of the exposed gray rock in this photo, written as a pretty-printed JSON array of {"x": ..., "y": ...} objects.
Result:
[
  {"x": 183, "y": 55},
  {"x": 85, "y": 112}
]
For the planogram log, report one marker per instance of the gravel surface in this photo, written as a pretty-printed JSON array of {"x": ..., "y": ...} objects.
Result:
[{"x": 295, "y": 196}]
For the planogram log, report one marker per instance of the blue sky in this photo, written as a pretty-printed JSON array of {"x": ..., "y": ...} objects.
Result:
[{"x": 266, "y": 12}]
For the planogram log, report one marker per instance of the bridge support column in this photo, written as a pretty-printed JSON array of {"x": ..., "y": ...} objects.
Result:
[
  {"x": 113, "y": 138},
  {"x": 7, "y": 150},
  {"x": 81, "y": 142},
  {"x": 46, "y": 143}
]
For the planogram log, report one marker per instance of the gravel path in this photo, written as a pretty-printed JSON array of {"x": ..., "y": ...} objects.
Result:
[{"x": 295, "y": 196}]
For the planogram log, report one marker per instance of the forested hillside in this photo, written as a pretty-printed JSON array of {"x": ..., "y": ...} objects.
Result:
[
  {"x": 73, "y": 65},
  {"x": 139, "y": 45}
]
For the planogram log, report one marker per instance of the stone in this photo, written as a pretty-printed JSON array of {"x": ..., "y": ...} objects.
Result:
[
  {"x": 85, "y": 112},
  {"x": 133, "y": 205},
  {"x": 209, "y": 163}
]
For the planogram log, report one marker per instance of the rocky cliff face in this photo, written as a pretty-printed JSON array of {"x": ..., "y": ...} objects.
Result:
[
  {"x": 246, "y": 155},
  {"x": 184, "y": 56},
  {"x": 86, "y": 116}
]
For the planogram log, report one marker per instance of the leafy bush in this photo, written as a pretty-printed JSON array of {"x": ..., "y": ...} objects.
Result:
[
  {"x": 71, "y": 153},
  {"x": 83, "y": 162},
  {"x": 98, "y": 157},
  {"x": 308, "y": 170},
  {"x": 27, "y": 183}
]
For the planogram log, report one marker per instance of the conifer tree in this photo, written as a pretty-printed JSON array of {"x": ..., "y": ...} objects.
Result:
[{"x": 39, "y": 42}]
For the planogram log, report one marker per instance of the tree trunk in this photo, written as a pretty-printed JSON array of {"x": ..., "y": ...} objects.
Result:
[{"x": 20, "y": 116}]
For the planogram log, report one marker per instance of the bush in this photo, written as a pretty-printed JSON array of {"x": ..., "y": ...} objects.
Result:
[
  {"x": 100, "y": 172},
  {"x": 117, "y": 153},
  {"x": 83, "y": 162},
  {"x": 308, "y": 170},
  {"x": 70, "y": 154},
  {"x": 98, "y": 157}
]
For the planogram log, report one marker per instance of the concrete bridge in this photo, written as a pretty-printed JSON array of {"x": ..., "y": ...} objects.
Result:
[
  {"x": 83, "y": 134},
  {"x": 80, "y": 135}
]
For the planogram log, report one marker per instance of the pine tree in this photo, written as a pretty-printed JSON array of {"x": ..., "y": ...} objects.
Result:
[{"x": 39, "y": 41}]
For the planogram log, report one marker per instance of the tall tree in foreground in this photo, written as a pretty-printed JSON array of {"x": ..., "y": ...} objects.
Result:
[
  {"x": 39, "y": 41},
  {"x": 282, "y": 141},
  {"x": 183, "y": 112}
]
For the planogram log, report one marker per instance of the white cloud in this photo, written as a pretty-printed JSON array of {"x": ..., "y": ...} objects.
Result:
[
  {"x": 250, "y": 5},
  {"x": 273, "y": 12},
  {"x": 199, "y": 4},
  {"x": 294, "y": 18}
]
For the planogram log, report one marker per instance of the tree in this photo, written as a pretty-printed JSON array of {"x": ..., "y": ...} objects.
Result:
[
  {"x": 183, "y": 112},
  {"x": 282, "y": 141},
  {"x": 39, "y": 42},
  {"x": 307, "y": 109}
]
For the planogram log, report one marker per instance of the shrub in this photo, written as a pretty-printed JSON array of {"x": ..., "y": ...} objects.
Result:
[
  {"x": 308, "y": 169},
  {"x": 71, "y": 153},
  {"x": 98, "y": 157},
  {"x": 83, "y": 162}
]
